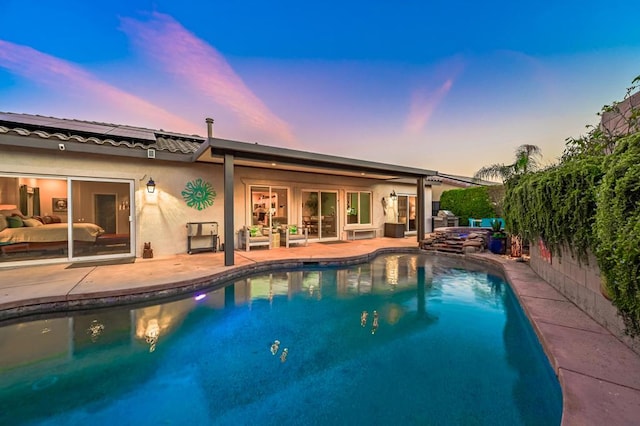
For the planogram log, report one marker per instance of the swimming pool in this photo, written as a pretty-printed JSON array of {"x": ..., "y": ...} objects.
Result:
[{"x": 452, "y": 346}]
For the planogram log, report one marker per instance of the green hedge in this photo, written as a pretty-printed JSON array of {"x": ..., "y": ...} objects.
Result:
[
  {"x": 588, "y": 203},
  {"x": 618, "y": 229},
  {"x": 468, "y": 203},
  {"x": 557, "y": 205}
]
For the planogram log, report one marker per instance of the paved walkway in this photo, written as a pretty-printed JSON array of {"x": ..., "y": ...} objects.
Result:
[{"x": 599, "y": 375}]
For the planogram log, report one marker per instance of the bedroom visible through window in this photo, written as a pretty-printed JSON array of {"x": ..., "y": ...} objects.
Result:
[{"x": 36, "y": 211}]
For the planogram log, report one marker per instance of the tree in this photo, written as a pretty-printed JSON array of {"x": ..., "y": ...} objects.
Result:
[{"x": 527, "y": 160}]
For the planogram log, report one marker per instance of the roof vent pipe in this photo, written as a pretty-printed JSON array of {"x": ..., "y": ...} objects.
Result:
[{"x": 209, "y": 127}]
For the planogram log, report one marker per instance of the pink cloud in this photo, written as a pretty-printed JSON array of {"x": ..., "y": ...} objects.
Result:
[
  {"x": 64, "y": 76},
  {"x": 201, "y": 66},
  {"x": 423, "y": 103}
]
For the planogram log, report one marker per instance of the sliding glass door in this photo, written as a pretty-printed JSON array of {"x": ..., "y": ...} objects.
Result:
[
  {"x": 64, "y": 218},
  {"x": 407, "y": 211},
  {"x": 319, "y": 214},
  {"x": 269, "y": 206},
  {"x": 101, "y": 207}
]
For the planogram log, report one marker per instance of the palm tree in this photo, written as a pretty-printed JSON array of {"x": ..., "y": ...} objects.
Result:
[{"x": 527, "y": 160}]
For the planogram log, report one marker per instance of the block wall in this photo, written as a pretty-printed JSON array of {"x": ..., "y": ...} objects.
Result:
[{"x": 582, "y": 284}]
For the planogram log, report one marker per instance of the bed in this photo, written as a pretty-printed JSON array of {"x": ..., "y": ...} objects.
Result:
[
  {"x": 34, "y": 235},
  {"x": 53, "y": 232}
]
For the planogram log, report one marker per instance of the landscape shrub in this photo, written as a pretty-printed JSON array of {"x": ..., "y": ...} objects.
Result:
[{"x": 468, "y": 203}]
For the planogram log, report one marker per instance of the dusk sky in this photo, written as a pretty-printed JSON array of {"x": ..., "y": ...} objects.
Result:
[{"x": 448, "y": 86}]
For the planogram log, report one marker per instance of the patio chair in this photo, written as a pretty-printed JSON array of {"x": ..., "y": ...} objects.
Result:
[
  {"x": 254, "y": 236},
  {"x": 293, "y": 234}
]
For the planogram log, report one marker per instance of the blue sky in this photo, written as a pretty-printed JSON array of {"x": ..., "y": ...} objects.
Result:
[{"x": 449, "y": 86}]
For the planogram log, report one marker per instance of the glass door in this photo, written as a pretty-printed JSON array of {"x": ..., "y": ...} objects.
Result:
[
  {"x": 100, "y": 218},
  {"x": 319, "y": 214},
  {"x": 407, "y": 211},
  {"x": 71, "y": 218},
  {"x": 260, "y": 206},
  {"x": 269, "y": 206}
]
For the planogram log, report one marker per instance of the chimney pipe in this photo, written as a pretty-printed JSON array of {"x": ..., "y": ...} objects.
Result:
[{"x": 209, "y": 127}]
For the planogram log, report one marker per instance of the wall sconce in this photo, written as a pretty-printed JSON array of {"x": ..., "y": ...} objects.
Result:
[
  {"x": 151, "y": 186},
  {"x": 393, "y": 195}
]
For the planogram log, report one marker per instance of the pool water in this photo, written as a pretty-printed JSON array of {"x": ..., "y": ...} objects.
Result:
[{"x": 451, "y": 346}]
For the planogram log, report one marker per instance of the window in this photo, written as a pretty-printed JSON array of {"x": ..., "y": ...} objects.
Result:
[{"x": 358, "y": 208}]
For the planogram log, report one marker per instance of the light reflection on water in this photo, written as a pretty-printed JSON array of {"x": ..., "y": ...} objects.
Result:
[{"x": 448, "y": 345}]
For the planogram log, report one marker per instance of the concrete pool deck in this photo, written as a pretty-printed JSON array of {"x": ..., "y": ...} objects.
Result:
[{"x": 599, "y": 375}]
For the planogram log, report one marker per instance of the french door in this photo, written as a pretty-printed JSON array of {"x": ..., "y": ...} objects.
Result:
[{"x": 319, "y": 214}]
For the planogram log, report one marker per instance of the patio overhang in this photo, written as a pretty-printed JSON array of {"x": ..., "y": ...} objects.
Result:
[
  {"x": 233, "y": 153},
  {"x": 268, "y": 157}
]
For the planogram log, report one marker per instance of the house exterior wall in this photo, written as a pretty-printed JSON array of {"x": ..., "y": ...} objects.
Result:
[
  {"x": 617, "y": 122},
  {"x": 297, "y": 182},
  {"x": 161, "y": 217}
]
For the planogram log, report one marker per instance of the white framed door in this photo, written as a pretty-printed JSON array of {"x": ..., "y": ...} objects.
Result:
[{"x": 319, "y": 214}]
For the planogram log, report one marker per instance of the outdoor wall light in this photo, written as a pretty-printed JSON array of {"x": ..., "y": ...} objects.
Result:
[
  {"x": 393, "y": 195},
  {"x": 151, "y": 186}
]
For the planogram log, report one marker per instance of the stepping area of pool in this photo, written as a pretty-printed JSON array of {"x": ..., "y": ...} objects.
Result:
[{"x": 599, "y": 375}]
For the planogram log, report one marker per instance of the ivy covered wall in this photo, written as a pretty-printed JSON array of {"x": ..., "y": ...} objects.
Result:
[{"x": 588, "y": 203}]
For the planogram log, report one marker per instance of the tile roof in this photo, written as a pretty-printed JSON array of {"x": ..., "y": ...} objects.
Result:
[{"x": 96, "y": 133}]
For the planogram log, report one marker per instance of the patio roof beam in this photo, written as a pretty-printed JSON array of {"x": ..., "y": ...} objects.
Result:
[{"x": 220, "y": 147}]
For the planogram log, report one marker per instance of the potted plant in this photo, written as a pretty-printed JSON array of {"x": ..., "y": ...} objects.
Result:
[{"x": 498, "y": 239}]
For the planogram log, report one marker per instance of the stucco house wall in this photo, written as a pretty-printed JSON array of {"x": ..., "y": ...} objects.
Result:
[
  {"x": 161, "y": 217},
  {"x": 298, "y": 181}
]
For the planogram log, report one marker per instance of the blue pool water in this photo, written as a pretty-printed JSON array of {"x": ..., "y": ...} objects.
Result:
[{"x": 452, "y": 347}]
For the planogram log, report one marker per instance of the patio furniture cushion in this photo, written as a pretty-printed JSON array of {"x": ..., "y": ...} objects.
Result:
[{"x": 486, "y": 222}]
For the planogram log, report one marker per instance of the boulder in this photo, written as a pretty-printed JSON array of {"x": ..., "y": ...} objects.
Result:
[{"x": 472, "y": 243}]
